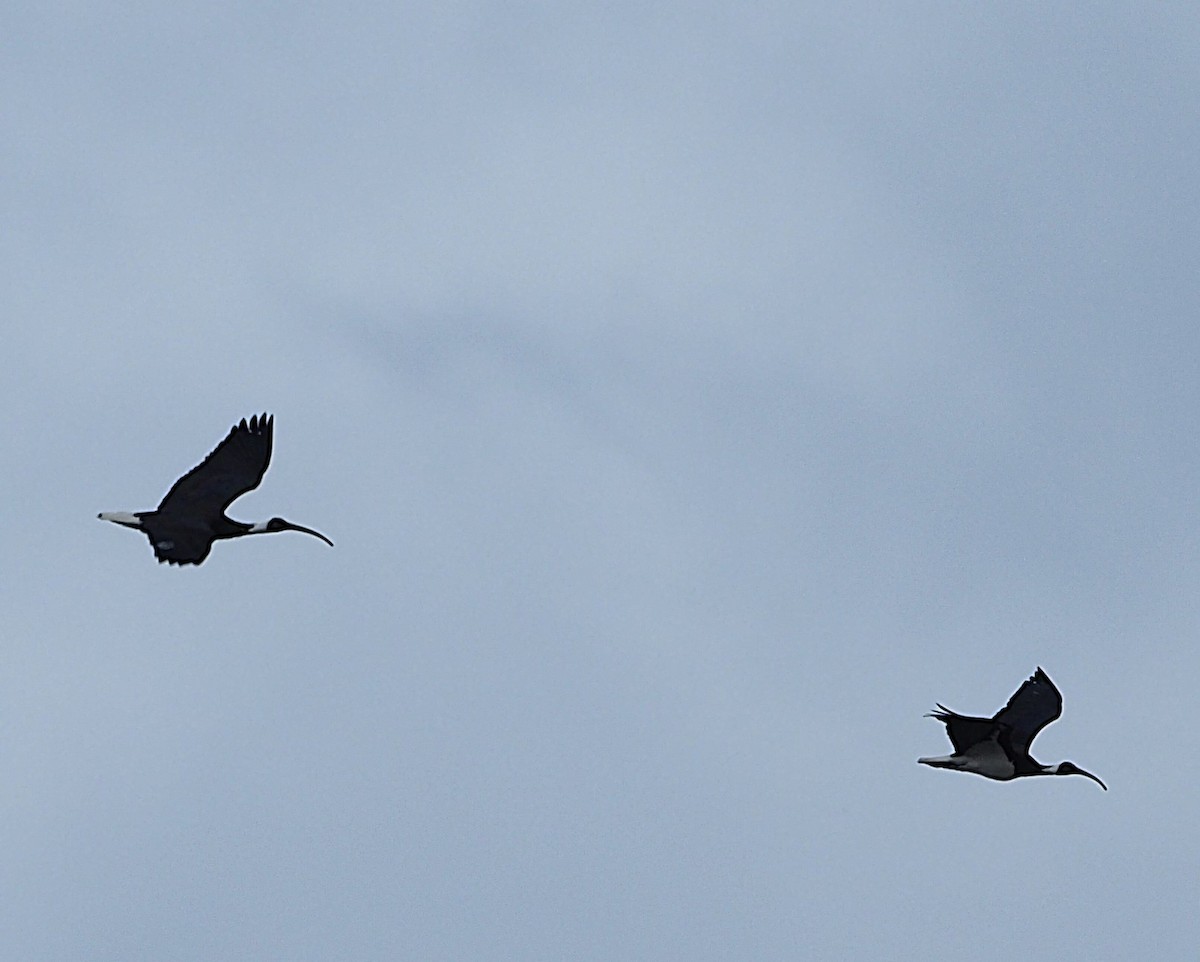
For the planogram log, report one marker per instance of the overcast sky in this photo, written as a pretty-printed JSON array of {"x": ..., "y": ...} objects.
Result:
[{"x": 696, "y": 394}]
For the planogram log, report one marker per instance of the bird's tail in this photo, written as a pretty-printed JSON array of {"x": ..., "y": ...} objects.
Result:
[
  {"x": 941, "y": 761},
  {"x": 121, "y": 517}
]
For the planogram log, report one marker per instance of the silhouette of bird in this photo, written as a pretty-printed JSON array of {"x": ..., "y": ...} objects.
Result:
[
  {"x": 191, "y": 517},
  {"x": 998, "y": 747}
]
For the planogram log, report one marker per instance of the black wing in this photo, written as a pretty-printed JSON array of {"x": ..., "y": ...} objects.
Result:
[
  {"x": 1034, "y": 706},
  {"x": 964, "y": 730},
  {"x": 236, "y": 466}
]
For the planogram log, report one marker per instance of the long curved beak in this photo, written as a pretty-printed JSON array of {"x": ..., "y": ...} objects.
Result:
[
  {"x": 304, "y": 530},
  {"x": 1080, "y": 771}
]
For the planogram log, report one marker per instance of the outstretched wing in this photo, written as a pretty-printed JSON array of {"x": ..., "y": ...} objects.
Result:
[
  {"x": 964, "y": 730},
  {"x": 1034, "y": 706},
  {"x": 236, "y": 466}
]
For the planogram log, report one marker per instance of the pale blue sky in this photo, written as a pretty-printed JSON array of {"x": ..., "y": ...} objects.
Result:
[{"x": 695, "y": 396}]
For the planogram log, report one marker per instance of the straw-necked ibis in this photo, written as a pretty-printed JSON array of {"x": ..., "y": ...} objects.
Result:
[
  {"x": 192, "y": 515},
  {"x": 998, "y": 747}
]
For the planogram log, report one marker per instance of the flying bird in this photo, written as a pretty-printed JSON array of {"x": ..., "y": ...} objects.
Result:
[
  {"x": 998, "y": 747},
  {"x": 192, "y": 515}
]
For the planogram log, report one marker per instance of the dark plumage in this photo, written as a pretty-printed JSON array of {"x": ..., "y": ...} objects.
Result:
[
  {"x": 999, "y": 747},
  {"x": 191, "y": 516}
]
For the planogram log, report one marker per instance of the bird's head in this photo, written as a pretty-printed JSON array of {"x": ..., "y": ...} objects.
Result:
[
  {"x": 279, "y": 524},
  {"x": 1070, "y": 768}
]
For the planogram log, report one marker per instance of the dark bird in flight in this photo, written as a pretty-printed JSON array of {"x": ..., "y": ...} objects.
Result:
[
  {"x": 998, "y": 747},
  {"x": 192, "y": 515}
]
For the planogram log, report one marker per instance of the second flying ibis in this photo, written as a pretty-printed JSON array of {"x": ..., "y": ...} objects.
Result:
[{"x": 998, "y": 747}]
